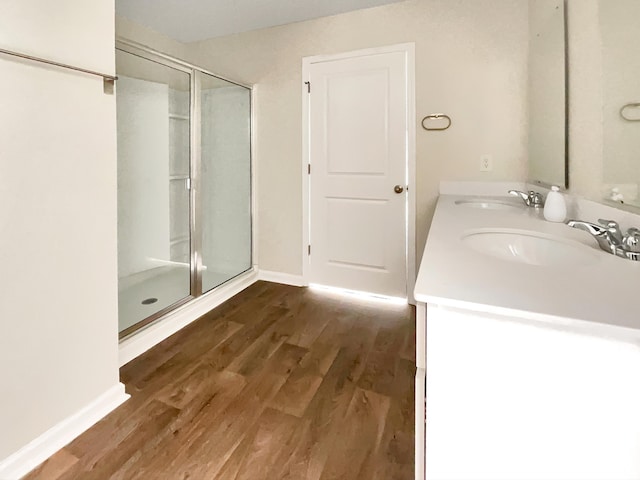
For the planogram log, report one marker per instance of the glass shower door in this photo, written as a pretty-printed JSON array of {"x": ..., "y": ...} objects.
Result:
[
  {"x": 225, "y": 172},
  {"x": 154, "y": 253}
]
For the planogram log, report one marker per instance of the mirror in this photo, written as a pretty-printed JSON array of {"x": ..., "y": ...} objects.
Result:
[
  {"x": 547, "y": 93},
  {"x": 621, "y": 100}
]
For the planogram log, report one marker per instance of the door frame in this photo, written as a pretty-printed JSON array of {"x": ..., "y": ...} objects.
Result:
[{"x": 409, "y": 50}]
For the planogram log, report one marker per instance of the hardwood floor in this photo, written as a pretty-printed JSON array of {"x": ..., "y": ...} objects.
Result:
[{"x": 279, "y": 382}]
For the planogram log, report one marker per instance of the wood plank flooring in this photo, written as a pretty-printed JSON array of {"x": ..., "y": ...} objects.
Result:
[{"x": 279, "y": 382}]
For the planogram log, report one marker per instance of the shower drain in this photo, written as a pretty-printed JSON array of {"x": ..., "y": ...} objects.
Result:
[{"x": 149, "y": 301}]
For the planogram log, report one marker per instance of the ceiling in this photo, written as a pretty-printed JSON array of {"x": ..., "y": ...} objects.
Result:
[{"x": 194, "y": 20}]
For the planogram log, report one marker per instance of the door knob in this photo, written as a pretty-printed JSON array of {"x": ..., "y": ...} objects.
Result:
[{"x": 398, "y": 189}]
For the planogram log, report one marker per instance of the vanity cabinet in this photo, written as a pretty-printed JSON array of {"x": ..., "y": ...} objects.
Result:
[
  {"x": 421, "y": 389},
  {"x": 525, "y": 371},
  {"x": 511, "y": 399}
]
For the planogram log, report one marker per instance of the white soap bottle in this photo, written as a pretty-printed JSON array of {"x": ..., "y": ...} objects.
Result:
[{"x": 555, "y": 208}]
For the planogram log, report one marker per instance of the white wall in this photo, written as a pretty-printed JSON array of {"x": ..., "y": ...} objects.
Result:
[
  {"x": 471, "y": 63},
  {"x": 58, "y": 329}
]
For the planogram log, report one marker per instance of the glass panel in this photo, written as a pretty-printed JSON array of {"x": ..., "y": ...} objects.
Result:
[
  {"x": 226, "y": 180},
  {"x": 153, "y": 200}
]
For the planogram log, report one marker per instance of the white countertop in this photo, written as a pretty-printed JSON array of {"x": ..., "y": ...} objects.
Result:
[{"x": 602, "y": 297}]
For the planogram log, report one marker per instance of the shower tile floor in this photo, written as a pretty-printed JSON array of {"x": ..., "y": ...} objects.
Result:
[{"x": 167, "y": 284}]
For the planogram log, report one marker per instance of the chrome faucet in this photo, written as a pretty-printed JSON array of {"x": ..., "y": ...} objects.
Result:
[
  {"x": 607, "y": 237},
  {"x": 531, "y": 199},
  {"x": 631, "y": 241},
  {"x": 611, "y": 239}
]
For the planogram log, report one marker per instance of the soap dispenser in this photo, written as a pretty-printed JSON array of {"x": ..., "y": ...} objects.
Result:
[{"x": 555, "y": 208}]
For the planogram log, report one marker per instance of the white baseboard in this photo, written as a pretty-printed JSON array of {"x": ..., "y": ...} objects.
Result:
[
  {"x": 279, "y": 277},
  {"x": 37, "y": 451},
  {"x": 164, "y": 327}
]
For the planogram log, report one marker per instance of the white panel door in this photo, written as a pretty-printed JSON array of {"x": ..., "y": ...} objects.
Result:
[{"x": 358, "y": 157}]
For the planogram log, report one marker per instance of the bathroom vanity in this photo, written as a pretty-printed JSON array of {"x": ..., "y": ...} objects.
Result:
[{"x": 528, "y": 348}]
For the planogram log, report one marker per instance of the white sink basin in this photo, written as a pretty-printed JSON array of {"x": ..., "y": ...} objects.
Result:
[
  {"x": 531, "y": 248},
  {"x": 489, "y": 204}
]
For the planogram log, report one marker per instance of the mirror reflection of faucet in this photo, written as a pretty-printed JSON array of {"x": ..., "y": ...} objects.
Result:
[
  {"x": 531, "y": 199},
  {"x": 616, "y": 196},
  {"x": 611, "y": 239}
]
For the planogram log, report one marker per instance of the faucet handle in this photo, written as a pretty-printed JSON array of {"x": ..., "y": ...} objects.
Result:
[
  {"x": 608, "y": 223},
  {"x": 632, "y": 240},
  {"x": 536, "y": 199},
  {"x": 614, "y": 230}
]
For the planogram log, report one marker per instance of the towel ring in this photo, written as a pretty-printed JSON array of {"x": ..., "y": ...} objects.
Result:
[
  {"x": 436, "y": 116},
  {"x": 629, "y": 105}
]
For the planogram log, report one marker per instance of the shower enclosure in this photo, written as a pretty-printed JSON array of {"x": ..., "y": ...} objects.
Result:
[{"x": 184, "y": 183}]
